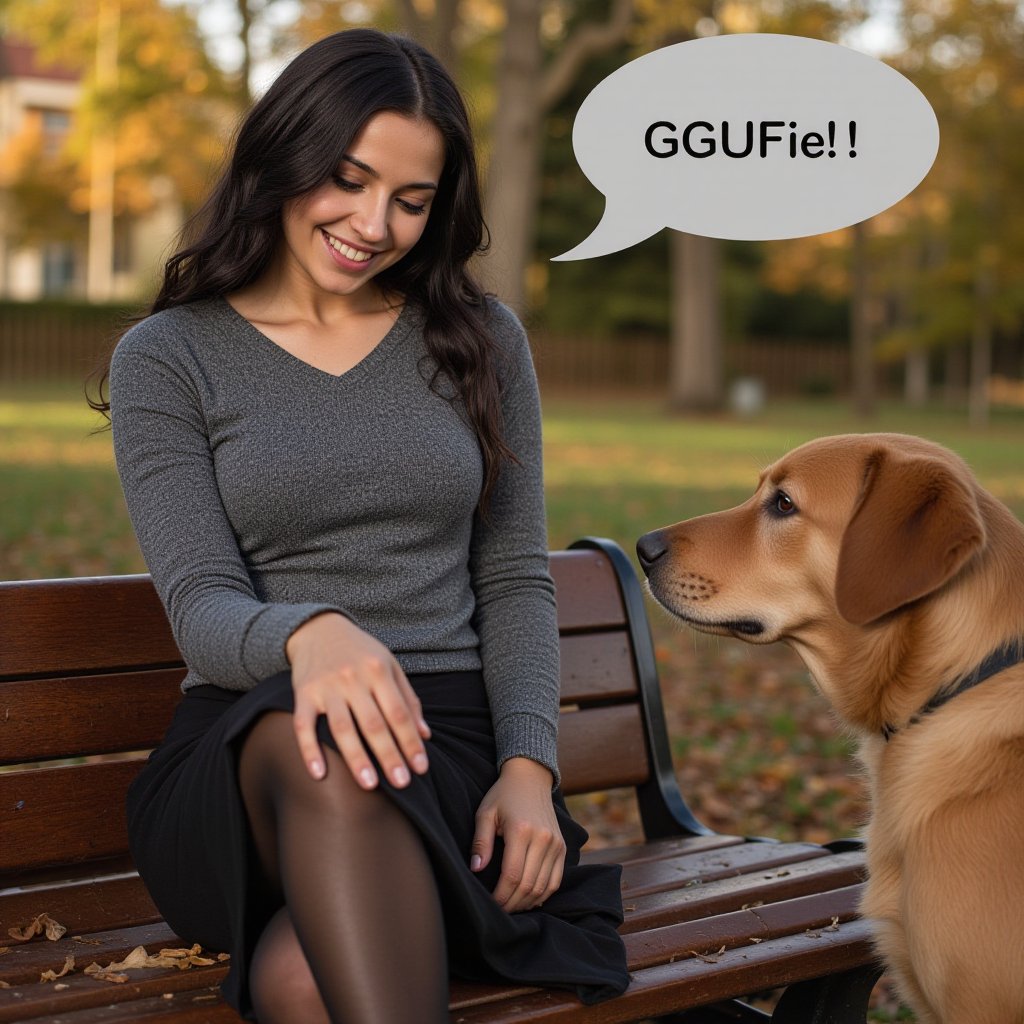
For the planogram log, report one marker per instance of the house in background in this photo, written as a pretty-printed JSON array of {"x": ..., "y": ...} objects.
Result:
[{"x": 42, "y": 99}]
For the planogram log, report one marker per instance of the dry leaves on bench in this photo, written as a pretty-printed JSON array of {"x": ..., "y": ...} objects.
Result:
[
  {"x": 183, "y": 959},
  {"x": 54, "y": 929},
  {"x": 69, "y": 965}
]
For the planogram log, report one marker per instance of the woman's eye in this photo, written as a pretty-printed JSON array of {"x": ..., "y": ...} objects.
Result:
[
  {"x": 348, "y": 186},
  {"x": 413, "y": 208},
  {"x": 784, "y": 503}
]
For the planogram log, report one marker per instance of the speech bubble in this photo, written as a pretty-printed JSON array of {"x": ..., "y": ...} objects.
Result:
[{"x": 751, "y": 136}]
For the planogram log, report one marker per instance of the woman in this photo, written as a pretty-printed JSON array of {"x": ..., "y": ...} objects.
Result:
[{"x": 329, "y": 444}]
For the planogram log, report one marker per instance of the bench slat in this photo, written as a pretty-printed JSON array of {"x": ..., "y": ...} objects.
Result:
[
  {"x": 693, "y": 982},
  {"x": 102, "y": 623},
  {"x": 698, "y": 868},
  {"x": 92, "y": 905},
  {"x": 602, "y": 747},
  {"x": 725, "y": 895},
  {"x": 199, "y": 1006},
  {"x": 588, "y": 591},
  {"x": 46, "y": 719},
  {"x": 64, "y": 815},
  {"x": 86, "y": 624},
  {"x": 597, "y": 666}
]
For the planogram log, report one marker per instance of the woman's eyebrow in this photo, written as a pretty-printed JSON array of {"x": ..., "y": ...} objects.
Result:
[{"x": 371, "y": 171}]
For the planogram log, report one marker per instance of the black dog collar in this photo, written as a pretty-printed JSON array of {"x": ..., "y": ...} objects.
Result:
[{"x": 1003, "y": 657}]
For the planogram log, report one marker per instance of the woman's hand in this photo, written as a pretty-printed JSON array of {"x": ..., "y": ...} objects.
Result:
[
  {"x": 340, "y": 671},
  {"x": 518, "y": 808}
]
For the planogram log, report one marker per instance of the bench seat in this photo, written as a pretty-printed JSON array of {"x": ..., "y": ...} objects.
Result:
[{"x": 93, "y": 674}]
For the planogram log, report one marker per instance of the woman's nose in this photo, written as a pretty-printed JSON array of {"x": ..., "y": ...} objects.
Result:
[{"x": 370, "y": 220}]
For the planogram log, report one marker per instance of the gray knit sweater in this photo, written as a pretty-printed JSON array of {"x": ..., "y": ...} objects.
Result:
[{"x": 263, "y": 490}]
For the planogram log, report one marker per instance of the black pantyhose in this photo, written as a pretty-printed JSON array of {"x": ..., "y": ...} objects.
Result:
[{"x": 359, "y": 893}]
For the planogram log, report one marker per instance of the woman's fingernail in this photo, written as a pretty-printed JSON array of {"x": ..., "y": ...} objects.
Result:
[
  {"x": 368, "y": 777},
  {"x": 475, "y": 862},
  {"x": 401, "y": 776},
  {"x": 419, "y": 762},
  {"x": 317, "y": 768},
  {"x": 424, "y": 726}
]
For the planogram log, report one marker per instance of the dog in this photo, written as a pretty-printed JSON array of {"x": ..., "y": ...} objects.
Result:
[{"x": 899, "y": 580}]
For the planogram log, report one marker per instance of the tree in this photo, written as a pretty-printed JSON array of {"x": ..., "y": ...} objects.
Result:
[
  {"x": 528, "y": 87},
  {"x": 165, "y": 109}
]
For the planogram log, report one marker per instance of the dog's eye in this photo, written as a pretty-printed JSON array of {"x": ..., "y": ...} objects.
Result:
[{"x": 783, "y": 504}]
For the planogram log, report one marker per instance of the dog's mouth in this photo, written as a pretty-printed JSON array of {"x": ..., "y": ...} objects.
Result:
[{"x": 748, "y": 628}]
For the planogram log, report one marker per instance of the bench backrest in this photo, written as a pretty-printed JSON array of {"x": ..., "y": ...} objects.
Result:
[{"x": 89, "y": 667}]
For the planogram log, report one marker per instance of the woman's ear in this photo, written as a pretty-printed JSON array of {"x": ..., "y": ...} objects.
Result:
[{"x": 915, "y": 524}]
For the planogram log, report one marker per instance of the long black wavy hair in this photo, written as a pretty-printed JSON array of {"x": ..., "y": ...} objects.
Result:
[{"x": 291, "y": 142}]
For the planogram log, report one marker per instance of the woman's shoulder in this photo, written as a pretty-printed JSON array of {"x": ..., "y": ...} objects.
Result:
[
  {"x": 503, "y": 323},
  {"x": 169, "y": 332}
]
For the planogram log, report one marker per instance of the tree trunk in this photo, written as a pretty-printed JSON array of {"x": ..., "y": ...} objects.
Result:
[
  {"x": 860, "y": 326},
  {"x": 955, "y": 382},
  {"x": 981, "y": 340},
  {"x": 245, "y": 71},
  {"x": 525, "y": 94},
  {"x": 696, "y": 363},
  {"x": 511, "y": 189},
  {"x": 915, "y": 378}
]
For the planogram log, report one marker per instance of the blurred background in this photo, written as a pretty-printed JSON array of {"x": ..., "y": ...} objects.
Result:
[{"x": 671, "y": 373}]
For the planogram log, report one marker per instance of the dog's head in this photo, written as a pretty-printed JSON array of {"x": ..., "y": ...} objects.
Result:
[{"x": 846, "y": 529}]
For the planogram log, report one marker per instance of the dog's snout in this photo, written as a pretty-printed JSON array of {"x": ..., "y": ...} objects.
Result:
[{"x": 649, "y": 548}]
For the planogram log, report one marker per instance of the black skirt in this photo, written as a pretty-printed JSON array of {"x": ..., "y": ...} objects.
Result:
[{"x": 190, "y": 839}]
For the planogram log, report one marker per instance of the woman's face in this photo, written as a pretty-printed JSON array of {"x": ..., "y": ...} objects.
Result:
[{"x": 373, "y": 210}]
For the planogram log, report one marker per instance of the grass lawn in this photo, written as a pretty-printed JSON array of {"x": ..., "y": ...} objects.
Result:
[{"x": 757, "y": 751}]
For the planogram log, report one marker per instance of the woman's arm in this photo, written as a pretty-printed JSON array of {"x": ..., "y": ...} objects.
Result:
[{"x": 516, "y": 623}]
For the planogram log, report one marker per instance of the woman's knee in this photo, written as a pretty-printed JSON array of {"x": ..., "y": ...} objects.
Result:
[
  {"x": 273, "y": 775},
  {"x": 281, "y": 982}
]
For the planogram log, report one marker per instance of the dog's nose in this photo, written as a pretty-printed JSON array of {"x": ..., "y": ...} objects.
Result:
[{"x": 649, "y": 548}]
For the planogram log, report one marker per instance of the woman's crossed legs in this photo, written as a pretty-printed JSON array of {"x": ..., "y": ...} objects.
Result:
[{"x": 361, "y": 935}]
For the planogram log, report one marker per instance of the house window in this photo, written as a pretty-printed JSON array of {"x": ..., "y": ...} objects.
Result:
[
  {"x": 58, "y": 268},
  {"x": 56, "y": 124}
]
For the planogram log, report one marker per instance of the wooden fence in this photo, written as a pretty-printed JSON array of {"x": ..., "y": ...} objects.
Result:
[
  {"x": 65, "y": 342},
  {"x": 785, "y": 367}
]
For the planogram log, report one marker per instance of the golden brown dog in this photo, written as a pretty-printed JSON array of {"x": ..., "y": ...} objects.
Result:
[{"x": 900, "y": 582}]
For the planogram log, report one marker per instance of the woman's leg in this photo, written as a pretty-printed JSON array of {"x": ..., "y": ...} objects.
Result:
[{"x": 357, "y": 884}]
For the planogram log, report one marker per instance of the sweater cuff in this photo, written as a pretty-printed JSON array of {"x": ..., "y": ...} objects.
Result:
[
  {"x": 263, "y": 646},
  {"x": 526, "y": 735}
]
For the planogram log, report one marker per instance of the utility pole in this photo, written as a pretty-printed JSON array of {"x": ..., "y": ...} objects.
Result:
[{"x": 100, "y": 268}]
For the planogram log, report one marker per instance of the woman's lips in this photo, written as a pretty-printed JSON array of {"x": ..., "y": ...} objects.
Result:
[{"x": 347, "y": 255}]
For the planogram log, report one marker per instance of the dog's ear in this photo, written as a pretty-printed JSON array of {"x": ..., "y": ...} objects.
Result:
[{"x": 915, "y": 524}]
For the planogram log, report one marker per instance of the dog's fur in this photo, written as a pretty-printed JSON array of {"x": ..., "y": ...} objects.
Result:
[{"x": 893, "y": 575}]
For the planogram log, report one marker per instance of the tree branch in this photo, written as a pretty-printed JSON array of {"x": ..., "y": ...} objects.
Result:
[
  {"x": 587, "y": 41},
  {"x": 412, "y": 23}
]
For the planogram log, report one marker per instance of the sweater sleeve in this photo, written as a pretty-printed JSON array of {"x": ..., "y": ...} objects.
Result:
[
  {"x": 515, "y": 594},
  {"x": 165, "y": 464}
]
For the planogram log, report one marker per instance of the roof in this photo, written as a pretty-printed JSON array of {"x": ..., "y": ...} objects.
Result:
[{"x": 19, "y": 60}]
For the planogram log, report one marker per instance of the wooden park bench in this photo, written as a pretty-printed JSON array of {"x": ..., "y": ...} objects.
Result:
[{"x": 89, "y": 667}]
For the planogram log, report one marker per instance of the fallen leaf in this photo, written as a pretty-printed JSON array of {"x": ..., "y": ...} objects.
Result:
[
  {"x": 754, "y": 939},
  {"x": 69, "y": 965},
  {"x": 60, "y": 986},
  {"x": 136, "y": 958},
  {"x": 4, "y": 984},
  {"x": 751, "y": 906},
  {"x": 104, "y": 974},
  {"x": 223, "y": 956},
  {"x": 834, "y": 926},
  {"x": 4, "y": 949},
  {"x": 54, "y": 929},
  {"x": 87, "y": 942},
  {"x": 708, "y": 958}
]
